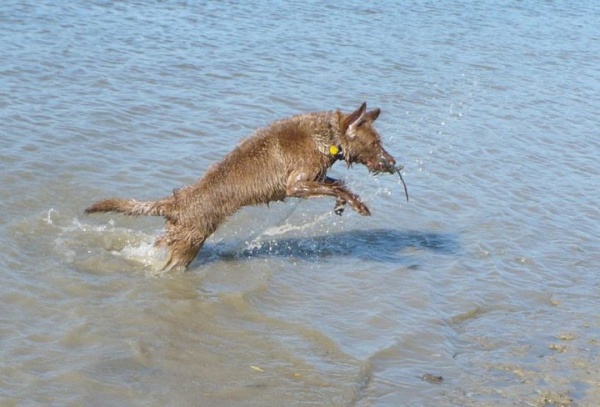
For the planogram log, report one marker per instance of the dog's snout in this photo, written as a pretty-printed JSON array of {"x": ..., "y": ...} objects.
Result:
[{"x": 388, "y": 162}]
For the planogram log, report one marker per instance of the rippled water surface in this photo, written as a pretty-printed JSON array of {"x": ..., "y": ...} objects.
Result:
[{"x": 483, "y": 290}]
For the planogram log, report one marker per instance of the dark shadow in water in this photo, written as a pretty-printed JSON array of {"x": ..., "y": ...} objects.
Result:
[{"x": 380, "y": 245}]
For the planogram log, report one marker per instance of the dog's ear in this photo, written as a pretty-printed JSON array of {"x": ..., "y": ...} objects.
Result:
[
  {"x": 353, "y": 118},
  {"x": 373, "y": 115}
]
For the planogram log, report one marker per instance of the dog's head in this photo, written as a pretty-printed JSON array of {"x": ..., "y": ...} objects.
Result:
[{"x": 361, "y": 143}]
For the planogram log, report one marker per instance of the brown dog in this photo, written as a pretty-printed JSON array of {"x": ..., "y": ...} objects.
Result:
[{"x": 289, "y": 158}]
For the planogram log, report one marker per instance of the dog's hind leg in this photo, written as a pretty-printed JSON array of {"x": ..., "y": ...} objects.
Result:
[
  {"x": 180, "y": 253},
  {"x": 182, "y": 246}
]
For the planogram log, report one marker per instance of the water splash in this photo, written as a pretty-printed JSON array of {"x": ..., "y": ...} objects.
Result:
[
  {"x": 77, "y": 242},
  {"x": 289, "y": 227}
]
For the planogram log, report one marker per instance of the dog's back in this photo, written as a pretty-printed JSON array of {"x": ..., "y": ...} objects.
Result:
[{"x": 257, "y": 171}]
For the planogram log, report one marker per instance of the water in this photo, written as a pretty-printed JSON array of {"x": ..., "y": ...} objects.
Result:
[{"x": 488, "y": 277}]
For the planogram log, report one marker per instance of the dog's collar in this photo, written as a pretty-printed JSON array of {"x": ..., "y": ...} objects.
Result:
[{"x": 332, "y": 150}]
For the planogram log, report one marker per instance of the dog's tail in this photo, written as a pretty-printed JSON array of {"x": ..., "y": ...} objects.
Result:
[{"x": 130, "y": 207}]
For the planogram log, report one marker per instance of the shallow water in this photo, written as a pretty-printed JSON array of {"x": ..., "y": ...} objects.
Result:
[{"x": 488, "y": 277}]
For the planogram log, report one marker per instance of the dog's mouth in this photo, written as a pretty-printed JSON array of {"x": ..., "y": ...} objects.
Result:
[{"x": 384, "y": 165}]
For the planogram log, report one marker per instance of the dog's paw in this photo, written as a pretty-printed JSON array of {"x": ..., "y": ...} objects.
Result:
[
  {"x": 340, "y": 204},
  {"x": 362, "y": 209}
]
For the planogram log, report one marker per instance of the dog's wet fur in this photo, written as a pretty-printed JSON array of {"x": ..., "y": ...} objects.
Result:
[{"x": 289, "y": 158}]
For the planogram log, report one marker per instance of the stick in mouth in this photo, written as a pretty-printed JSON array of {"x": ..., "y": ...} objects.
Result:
[{"x": 398, "y": 169}]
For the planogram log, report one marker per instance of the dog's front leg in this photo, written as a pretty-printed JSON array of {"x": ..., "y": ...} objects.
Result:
[
  {"x": 340, "y": 203},
  {"x": 308, "y": 189}
]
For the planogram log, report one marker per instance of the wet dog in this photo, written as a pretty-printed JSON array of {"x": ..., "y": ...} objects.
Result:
[{"x": 289, "y": 158}]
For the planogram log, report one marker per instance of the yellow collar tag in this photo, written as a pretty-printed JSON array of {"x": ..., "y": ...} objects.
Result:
[{"x": 333, "y": 150}]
